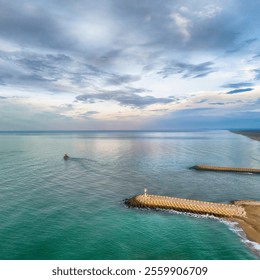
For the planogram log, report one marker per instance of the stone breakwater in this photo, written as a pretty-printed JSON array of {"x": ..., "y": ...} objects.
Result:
[
  {"x": 187, "y": 205},
  {"x": 225, "y": 169}
]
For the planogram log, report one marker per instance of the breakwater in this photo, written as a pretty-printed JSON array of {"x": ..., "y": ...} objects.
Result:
[
  {"x": 186, "y": 205},
  {"x": 225, "y": 169}
]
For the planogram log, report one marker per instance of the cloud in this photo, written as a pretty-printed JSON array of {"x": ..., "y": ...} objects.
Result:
[
  {"x": 87, "y": 115},
  {"x": 122, "y": 79},
  {"x": 105, "y": 34},
  {"x": 191, "y": 111},
  {"x": 202, "y": 101},
  {"x": 182, "y": 24},
  {"x": 239, "y": 90},
  {"x": 33, "y": 69},
  {"x": 244, "y": 44},
  {"x": 121, "y": 51},
  {"x": 32, "y": 24},
  {"x": 209, "y": 11},
  {"x": 124, "y": 99},
  {"x": 257, "y": 74},
  {"x": 216, "y": 103},
  {"x": 188, "y": 70},
  {"x": 237, "y": 85}
]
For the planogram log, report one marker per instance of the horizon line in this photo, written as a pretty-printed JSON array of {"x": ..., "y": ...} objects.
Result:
[{"x": 130, "y": 130}]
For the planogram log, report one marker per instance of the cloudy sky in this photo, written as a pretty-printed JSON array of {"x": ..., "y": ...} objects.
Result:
[{"x": 127, "y": 64}]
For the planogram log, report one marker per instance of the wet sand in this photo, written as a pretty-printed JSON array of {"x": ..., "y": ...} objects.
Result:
[
  {"x": 251, "y": 223},
  {"x": 253, "y": 134}
]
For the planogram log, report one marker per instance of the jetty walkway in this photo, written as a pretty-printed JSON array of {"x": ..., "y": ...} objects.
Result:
[
  {"x": 225, "y": 169},
  {"x": 186, "y": 205}
]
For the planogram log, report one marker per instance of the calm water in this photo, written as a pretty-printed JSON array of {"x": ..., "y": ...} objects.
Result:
[{"x": 52, "y": 209}]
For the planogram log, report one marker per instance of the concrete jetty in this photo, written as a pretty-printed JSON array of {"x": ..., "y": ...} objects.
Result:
[
  {"x": 245, "y": 212},
  {"x": 186, "y": 205},
  {"x": 203, "y": 167}
]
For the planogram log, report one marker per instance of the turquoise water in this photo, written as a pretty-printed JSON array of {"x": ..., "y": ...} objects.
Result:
[{"x": 56, "y": 209}]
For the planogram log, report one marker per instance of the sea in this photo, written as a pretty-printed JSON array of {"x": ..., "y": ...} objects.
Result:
[{"x": 54, "y": 209}]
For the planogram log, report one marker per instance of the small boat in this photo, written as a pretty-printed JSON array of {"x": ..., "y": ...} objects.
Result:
[{"x": 66, "y": 157}]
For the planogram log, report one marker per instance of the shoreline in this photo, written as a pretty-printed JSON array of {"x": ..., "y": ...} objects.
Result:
[
  {"x": 252, "y": 134},
  {"x": 251, "y": 223}
]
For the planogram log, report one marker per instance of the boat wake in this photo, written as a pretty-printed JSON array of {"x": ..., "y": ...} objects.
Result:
[{"x": 81, "y": 159}]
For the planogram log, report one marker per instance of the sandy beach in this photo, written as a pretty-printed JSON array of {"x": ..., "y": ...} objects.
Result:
[
  {"x": 251, "y": 223},
  {"x": 253, "y": 134}
]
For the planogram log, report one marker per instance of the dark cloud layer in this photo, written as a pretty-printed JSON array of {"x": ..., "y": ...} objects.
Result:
[
  {"x": 239, "y": 90},
  {"x": 216, "y": 103},
  {"x": 41, "y": 70},
  {"x": 31, "y": 23},
  {"x": 156, "y": 27},
  {"x": 124, "y": 98},
  {"x": 238, "y": 85},
  {"x": 154, "y": 31}
]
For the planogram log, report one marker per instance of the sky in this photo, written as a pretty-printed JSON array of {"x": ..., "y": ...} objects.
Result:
[{"x": 129, "y": 65}]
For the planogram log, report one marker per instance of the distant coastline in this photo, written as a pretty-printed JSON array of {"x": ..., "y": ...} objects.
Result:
[{"x": 253, "y": 134}]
